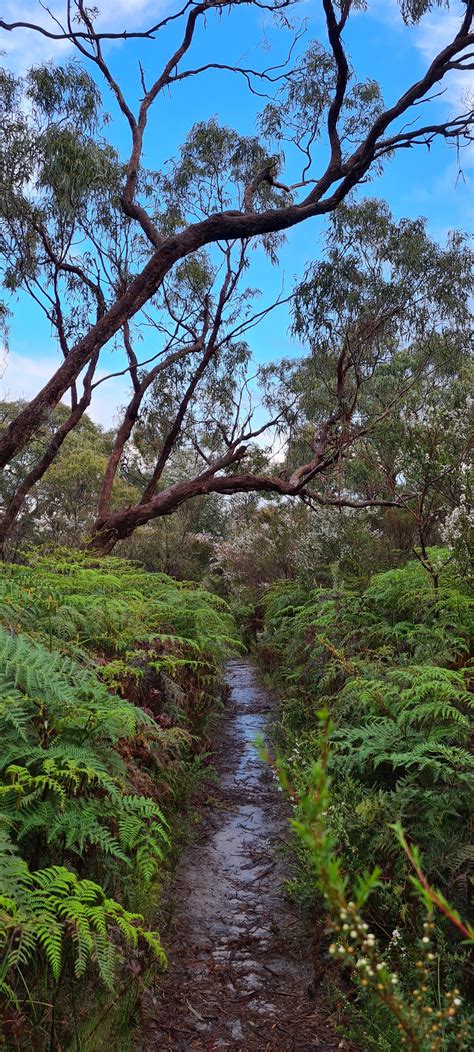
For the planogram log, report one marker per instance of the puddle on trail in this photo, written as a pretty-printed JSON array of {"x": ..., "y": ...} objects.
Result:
[{"x": 239, "y": 976}]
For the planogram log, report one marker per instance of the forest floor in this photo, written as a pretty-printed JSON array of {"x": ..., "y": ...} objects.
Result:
[{"x": 240, "y": 974}]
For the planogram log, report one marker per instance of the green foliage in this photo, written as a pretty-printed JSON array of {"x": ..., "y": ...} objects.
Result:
[
  {"x": 63, "y": 504},
  {"x": 109, "y": 606},
  {"x": 43, "y": 911},
  {"x": 297, "y": 112},
  {"x": 391, "y": 666},
  {"x": 105, "y": 674},
  {"x": 422, "y": 1019}
]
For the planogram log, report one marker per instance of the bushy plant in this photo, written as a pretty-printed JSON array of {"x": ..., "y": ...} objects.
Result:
[
  {"x": 423, "y": 1018},
  {"x": 391, "y": 666},
  {"x": 105, "y": 674}
]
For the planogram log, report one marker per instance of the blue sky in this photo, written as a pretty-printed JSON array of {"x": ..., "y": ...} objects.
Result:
[{"x": 415, "y": 182}]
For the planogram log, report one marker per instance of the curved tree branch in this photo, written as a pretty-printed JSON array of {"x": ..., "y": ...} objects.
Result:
[{"x": 327, "y": 193}]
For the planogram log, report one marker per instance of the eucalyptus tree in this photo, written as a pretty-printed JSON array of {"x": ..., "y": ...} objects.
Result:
[
  {"x": 389, "y": 375},
  {"x": 61, "y": 508},
  {"x": 104, "y": 246}
]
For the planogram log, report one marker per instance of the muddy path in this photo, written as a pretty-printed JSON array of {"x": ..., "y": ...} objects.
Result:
[{"x": 239, "y": 973}]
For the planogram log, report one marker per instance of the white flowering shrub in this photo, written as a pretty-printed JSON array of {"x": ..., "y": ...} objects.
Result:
[{"x": 423, "y": 1017}]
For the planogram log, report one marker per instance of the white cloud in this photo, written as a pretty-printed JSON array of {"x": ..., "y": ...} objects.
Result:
[
  {"x": 25, "y": 48},
  {"x": 432, "y": 35},
  {"x": 429, "y": 37},
  {"x": 386, "y": 11},
  {"x": 22, "y": 376}
]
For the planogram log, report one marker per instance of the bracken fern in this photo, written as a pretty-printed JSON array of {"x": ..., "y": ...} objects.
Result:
[
  {"x": 391, "y": 665},
  {"x": 104, "y": 671}
]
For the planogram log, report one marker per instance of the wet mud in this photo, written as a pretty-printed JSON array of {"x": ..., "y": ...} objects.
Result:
[{"x": 239, "y": 973}]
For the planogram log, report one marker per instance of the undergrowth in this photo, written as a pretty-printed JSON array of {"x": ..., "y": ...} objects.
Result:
[
  {"x": 107, "y": 675},
  {"x": 391, "y": 668}
]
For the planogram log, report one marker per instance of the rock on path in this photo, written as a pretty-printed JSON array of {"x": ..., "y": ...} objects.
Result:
[{"x": 239, "y": 975}]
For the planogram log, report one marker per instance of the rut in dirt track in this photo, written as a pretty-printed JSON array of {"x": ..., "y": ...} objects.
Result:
[{"x": 239, "y": 974}]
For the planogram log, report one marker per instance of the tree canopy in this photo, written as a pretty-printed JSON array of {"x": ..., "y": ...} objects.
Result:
[{"x": 115, "y": 253}]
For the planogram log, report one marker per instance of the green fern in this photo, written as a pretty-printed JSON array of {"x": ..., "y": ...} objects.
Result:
[
  {"x": 391, "y": 665},
  {"x": 51, "y": 907},
  {"x": 91, "y": 653}
]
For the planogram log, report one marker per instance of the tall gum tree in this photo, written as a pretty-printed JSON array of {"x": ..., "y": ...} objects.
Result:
[{"x": 223, "y": 192}]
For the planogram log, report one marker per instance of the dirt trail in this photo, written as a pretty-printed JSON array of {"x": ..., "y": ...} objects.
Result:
[{"x": 239, "y": 976}]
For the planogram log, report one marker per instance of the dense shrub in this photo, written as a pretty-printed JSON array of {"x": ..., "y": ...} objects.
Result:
[
  {"x": 106, "y": 674},
  {"x": 391, "y": 667}
]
